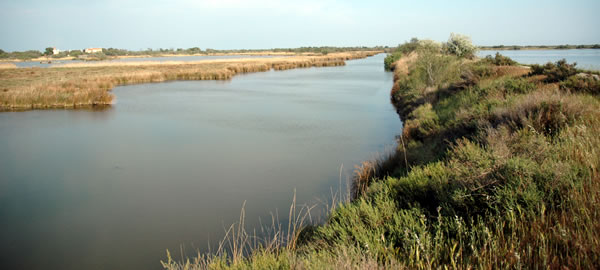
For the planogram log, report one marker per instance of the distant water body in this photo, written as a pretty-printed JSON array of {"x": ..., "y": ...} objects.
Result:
[
  {"x": 585, "y": 58},
  {"x": 172, "y": 163}
]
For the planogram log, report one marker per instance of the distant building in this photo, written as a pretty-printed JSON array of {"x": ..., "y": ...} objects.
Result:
[
  {"x": 55, "y": 51},
  {"x": 93, "y": 50}
]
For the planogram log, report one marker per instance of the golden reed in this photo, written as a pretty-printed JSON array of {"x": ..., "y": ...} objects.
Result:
[{"x": 89, "y": 84}]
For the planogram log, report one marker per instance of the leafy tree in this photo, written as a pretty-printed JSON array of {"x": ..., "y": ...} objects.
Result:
[
  {"x": 75, "y": 53},
  {"x": 460, "y": 45},
  {"x": 49, "y": 51}
]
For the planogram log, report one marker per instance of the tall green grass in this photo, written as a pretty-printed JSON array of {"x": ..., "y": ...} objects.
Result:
[{"x": 497, "y": 168}]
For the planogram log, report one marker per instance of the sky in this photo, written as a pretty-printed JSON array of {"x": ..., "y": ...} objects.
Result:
[{"x": 264, "y": 24}]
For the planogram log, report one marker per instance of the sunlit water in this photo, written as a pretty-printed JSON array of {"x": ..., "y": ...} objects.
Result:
[
  {"x": 585, "y": 58},
  {"x": 171, "y": 164}
]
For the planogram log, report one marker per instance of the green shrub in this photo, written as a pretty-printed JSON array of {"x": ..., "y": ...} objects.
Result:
[
  {"x": 499, "y": 60},
  {"x": 584, "y": 83},
  {"x": 422, "y": 122},
  {"x": 518, "y": 86},
  {"x": 408, "y": 47},
  {"x": 26, "y": 55},
  {"x": 435, "y": 70},
  {"x": 555, "y": 72},
  {"x": 390, "y": 59}
]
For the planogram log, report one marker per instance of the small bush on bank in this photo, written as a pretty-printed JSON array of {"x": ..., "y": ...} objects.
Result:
[
  {"x": 582, "y": 83},
  {"x": 499, "y": 60},
  {"x": 390, "y": 59},
  {"x": 460, "y": 45},
  {"x": 518, "y": 86},
  {"x": 555, "y": 72}
]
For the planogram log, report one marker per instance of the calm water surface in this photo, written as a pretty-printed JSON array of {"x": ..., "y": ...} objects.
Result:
[
  {"x": 171, "y": 164},
  {"x": 585, "y": 58}
]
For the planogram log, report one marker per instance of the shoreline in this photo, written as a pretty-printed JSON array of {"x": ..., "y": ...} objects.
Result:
[
  {"x": 89, "y": 84},
  {"x": 109, "y": 58},
  {"x": 495, "y": 160}
]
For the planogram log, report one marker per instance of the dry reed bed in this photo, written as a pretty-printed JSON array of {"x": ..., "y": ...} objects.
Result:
[
  {"x": 89, "y": 84},
  {"x": 7, "y": 65}
]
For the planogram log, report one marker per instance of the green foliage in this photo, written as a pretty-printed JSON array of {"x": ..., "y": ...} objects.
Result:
[
  {"x": 390, "y": 59},
  {"x": 517, "y": 86},
  {"x": 421, "y": 122},
  {"x": 499, "y": 60},
  {"x": 75, "y": 53},
  {"x": 114, "y": 52},
  {"x": 583, "y": 83},
  {"x": 434, "y": 70},
  {"x": 26, "y": 55},
  {"x": 555, "y": 72},
  {"x": 501, "y": 173},
  {"x": 49, "y": 51},
  {"x": 408, "y": 47}
]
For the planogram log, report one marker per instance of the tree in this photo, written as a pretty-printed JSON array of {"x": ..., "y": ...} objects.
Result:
[
  {"x": 49, "y": 51},
  {"x": 460, "y": 45}
]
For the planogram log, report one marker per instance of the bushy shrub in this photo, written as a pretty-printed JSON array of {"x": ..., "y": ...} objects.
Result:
[
  {"x": 499, "y": 60},
  {"x": 460, "y": 45},
  {"x": 435, "y": 70},
  {"x": 390, "y": 59},
  {"x": 584, "y": 83},
  {"x": 481, "y": 69},
  {"x": 429, "y": 46},
  {"x": 518, "y": 86},
  {"x": 555, "y": 72},
  {"x": 26, "y": 55},
  {"x": 421, "y": 123},
  {"x": 408, "y": 47}
]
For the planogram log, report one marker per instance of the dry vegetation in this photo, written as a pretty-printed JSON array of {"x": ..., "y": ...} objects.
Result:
[
  {"x": 497, "y": 168},
  {"x": 7, "y": 65},
  {"x": 89, "y": 84}
]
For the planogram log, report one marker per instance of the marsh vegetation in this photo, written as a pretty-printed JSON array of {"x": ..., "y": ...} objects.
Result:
[
  {"x": 497, "y": 167},
  {"x": 89, "y": 84}
]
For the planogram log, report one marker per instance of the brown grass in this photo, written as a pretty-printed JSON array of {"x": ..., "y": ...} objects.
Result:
[
  {"x": 7, "y": 65},
  {"x": 88, "y": 84}
]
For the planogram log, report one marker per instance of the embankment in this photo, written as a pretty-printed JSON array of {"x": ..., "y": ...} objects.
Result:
[
  {"x": 89, "y": 84},
  {"x": 497, "y": 168}
]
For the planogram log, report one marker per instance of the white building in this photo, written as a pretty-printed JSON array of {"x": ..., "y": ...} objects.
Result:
[
  {"x": 55, "y": 51},
  {"x": 93, "y": 50}
]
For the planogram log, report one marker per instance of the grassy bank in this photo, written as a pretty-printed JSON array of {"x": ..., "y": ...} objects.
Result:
[
  {"x": 497, "y": 167},
  {"x": 89, "y": 84}
]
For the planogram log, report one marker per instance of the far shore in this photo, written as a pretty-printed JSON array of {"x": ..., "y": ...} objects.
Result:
[
  {"x": 533, "y": 48},
  {"x": 89, "y": 84},
  {"x": 69, "y": 58}
]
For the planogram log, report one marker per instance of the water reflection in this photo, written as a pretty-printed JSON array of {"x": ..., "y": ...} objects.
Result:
[{"x": 172, "y": 163}]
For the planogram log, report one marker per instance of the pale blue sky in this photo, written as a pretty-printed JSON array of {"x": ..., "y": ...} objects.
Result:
[{"x": 238, "y": 24}]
